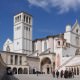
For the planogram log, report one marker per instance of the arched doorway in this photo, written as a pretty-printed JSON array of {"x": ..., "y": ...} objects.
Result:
[
  {"x": 46, "y": 65},
  {"x": 20, "y": 71},
  {"x": 25, "y": 71},
  {"x": 15, "y": 70}
]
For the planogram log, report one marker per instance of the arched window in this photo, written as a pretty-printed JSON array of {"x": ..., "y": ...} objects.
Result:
[
  {"x": 45, "y": 45},
  {"x": 27, "y": 19},
  {"x": 59, "y": 43},
  {"x": 24, "y": 18}
]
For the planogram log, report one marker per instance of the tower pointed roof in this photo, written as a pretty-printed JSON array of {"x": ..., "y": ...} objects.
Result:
[{"x": 75, "y": 24}]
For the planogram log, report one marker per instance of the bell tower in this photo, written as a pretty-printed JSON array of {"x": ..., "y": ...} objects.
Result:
[{"x": 23, "y": 33}]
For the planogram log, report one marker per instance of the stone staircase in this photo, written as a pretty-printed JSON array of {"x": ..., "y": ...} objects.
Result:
[{"x": 65, "y": 63}]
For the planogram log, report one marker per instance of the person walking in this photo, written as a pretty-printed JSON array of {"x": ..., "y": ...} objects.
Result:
[
  {"x": 53, "y": 73},
  {"x": 66, "y": 74},
  {"x": 57, "y": 73},
  {"x": 61, "y": 74},
  {"x": 72, "y": 74}
]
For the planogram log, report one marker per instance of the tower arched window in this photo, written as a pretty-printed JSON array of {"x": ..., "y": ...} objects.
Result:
[
  {"x": 27, "y": 19},
  {"x": 20, "y": 17},
  {"x": 45, "y": 45},
  {"x": 24, "y": 18}
]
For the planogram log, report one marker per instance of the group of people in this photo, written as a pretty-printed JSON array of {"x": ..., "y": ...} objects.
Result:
[{"x": 63, "y": 74}]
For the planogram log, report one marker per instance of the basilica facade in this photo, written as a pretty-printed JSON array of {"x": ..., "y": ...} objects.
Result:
[{"x": 55, "y": 52}]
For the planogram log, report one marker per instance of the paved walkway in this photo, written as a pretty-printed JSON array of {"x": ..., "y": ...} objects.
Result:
[{"x": 42, "y": 77}]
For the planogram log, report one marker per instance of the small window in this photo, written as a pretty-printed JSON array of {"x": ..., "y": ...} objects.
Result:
[
  {"x": 59, "y": 43},
  {"x": 26, "y": 28},
  {"x": 77, "y": 30}
]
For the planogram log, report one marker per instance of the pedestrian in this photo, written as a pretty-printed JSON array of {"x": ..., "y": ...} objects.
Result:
[
  {"x": 61, "y": 74},
  {"x": 53, "y": 73},
  {"x": 72, "y": 74},
  {"x": 57, "y": 73},
  {"x": 66, "y": 74}
]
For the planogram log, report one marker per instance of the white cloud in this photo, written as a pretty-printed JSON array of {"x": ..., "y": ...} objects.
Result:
[{"x": 62, "y": 5}]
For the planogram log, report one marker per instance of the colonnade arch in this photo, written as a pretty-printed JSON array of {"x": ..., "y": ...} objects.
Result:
[{"x": 76, "y": 70}]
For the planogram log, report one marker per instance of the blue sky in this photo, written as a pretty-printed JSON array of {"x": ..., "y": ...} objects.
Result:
[{"x": 49, "y": 16}]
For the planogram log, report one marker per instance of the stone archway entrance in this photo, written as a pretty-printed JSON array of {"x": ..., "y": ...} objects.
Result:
[{"x": 46, "y": 65}]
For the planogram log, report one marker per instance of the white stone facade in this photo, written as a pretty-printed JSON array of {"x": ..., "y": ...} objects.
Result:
[{"x": 45, "y": 54}]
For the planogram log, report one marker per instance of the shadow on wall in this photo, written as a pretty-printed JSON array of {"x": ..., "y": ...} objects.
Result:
[
  {"x": 2, "y": 67},
  {"x": 3, "y": 71},
  {"x": 8, "y": 77}
]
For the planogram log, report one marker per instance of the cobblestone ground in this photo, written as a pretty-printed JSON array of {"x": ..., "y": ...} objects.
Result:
[{"x": 43, "y": 77}]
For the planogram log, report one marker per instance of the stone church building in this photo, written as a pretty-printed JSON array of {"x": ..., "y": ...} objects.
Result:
[{"x": 55, "y": 52}]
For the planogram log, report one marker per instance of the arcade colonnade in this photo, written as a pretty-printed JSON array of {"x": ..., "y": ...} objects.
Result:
[
  {"x": 75, "y": 69},
  {"x": 19, "y": 70}
]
